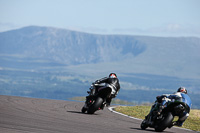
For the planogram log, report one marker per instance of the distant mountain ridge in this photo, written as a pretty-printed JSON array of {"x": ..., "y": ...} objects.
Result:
[
  {"x": 144, "y": 54},
  {"x": 47, "y": 62},
  {"x": 68, "y": 47}
]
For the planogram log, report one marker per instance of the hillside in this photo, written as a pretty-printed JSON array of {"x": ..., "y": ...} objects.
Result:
[
  {"x": 67, "y": 47},
  {"x": 50, "y": 46},
  {"x": 47, "y": 62}
]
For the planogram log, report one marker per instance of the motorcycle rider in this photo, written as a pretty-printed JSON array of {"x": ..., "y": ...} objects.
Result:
[
  {"x": 179, "y": 96},
  {"x": 111, "y": 82}
]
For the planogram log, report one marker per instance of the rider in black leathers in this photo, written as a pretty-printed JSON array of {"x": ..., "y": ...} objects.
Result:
[{"x": 111, "y": 82}]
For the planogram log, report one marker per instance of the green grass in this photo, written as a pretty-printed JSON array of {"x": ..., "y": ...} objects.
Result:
[{"x": 191, "y": 123}]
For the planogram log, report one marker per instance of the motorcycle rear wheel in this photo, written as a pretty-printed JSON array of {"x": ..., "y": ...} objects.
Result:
[
  {"x": 95, "y": 106},
  {"x": 166, "y": 122},
  {"x": 83, "y": 110},
  {"x": 143, "y": 125}
]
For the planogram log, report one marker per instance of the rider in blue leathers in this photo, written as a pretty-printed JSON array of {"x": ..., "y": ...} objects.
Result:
[{"x": 180, "y": 97}]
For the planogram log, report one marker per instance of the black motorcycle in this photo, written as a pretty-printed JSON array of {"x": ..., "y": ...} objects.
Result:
[
  {"x": 96, "y": 100},
  {"x": 163, "y": 120}
]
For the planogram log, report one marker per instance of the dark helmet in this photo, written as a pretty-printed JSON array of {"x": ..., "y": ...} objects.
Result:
[
  {"x": 112, "y": 75},
  {"x": 182, "y": 89}
]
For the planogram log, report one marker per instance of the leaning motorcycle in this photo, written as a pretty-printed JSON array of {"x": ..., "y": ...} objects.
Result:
[
  {"x": 98, "y": 100},
  {"x": 163, "y": 120}
]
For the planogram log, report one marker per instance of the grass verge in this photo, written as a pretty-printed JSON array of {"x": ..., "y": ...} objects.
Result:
[{"x": 191, "y": 123}]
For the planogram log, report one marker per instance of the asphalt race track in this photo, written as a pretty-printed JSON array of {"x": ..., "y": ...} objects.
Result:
[{"x": 31, "y": 115}]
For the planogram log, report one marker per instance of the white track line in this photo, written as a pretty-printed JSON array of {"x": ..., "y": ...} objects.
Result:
[{"x": 111, "y": 109}]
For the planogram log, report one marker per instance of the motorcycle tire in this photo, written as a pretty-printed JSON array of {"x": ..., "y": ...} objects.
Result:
[
  {"x": 163, "y": 124},
  {"x": 83, "y": 110},
  {"x": 143, "y": 125},
  {"x": 95, "y": 106}
]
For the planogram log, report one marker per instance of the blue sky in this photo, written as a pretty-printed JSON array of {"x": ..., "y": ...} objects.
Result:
[{"x": 130, "y": 17}]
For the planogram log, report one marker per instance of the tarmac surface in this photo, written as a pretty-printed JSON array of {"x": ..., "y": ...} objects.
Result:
[{"x": 31, "y": 115}]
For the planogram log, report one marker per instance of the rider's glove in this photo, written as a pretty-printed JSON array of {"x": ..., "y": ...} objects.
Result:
[{"x": 159, "y": 98}]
